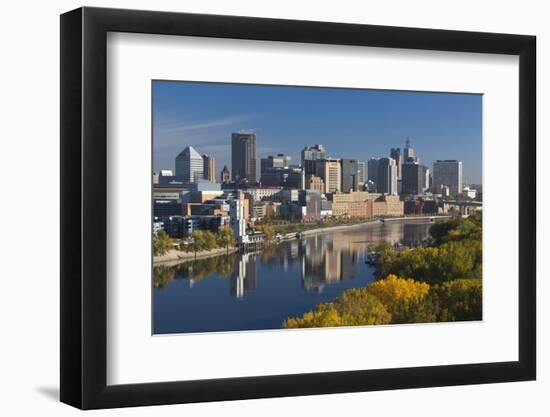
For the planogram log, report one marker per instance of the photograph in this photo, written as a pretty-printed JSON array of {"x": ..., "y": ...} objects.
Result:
[
  {"x": 291, "y": 207},
  {"x": 280, "y": 205}
]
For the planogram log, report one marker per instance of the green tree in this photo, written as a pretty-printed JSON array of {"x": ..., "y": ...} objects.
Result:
[
  {"x": 197, "y": 242},
  {"x": 162, "y": 243},
  {"x": 267, "y": 230},
  {"x": 225, "y": 238},
  {"x": 209, "y": 240},
  {"x": 452, "y": 260},
  {"x": 414, "y": 311},
  {"x": 458, "y": 228},
  {"x": 458, "y": 300}
]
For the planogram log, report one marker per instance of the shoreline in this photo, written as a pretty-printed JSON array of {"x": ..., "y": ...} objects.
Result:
[
  {"x": 174, "y": 257},
  {"x": 313, "y": 232},
  {"x": 320, "y": 230}
]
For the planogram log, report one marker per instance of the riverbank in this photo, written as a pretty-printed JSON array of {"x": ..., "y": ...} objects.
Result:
[
  {"x": 173, "y": 256},
  {"x": 320, "y": 230},
  {"x": 245, "y": 291}
]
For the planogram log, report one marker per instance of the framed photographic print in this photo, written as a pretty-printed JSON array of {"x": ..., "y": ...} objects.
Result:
[{"x": 257, "y": 208}]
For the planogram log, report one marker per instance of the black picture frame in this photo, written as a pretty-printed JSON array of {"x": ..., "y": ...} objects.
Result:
[{"x": 84, "y": 207}]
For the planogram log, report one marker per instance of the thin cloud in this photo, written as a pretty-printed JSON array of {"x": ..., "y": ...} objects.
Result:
[{"x": 178, "y": 127}]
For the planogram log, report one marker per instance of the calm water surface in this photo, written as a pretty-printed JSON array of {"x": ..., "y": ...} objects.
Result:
[{"x": 254, "y": 291}]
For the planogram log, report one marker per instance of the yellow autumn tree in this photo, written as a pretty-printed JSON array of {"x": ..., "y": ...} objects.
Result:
[
  {"x": 393, "y": 289},
  {"x": 354, "y": 307},
  {"x": 324, "y": 315},
  {"x": 406, "y": 299}
]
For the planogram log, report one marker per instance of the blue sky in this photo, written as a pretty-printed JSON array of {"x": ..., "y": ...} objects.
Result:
[{"x": 351, "y": 123}]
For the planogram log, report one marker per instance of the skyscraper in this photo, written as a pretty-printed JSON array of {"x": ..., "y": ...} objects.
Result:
[
  {"x": 408, "y": 153},
  {"x": 362, "y": 172},
  {"x": 350, "y": 175},
  {"x": 283, "y": 177},
  {"x": 311, "y": 154},
  {"x": 447, "y": 173},
  {"x": 329, "y": 170},
  {"x": 189, "y": 165},
  {"x": 209, "y": 168},
  {"x": 426, "y": 177},
  {"x": 243, "y": 156},
  {"x": 386, "y": 176},
  {"x": 395, "y": 153},
  {"x": 414, "y": 179},
  {"x": 372, "y": 170},
  {"x": 237, "y": 219}
]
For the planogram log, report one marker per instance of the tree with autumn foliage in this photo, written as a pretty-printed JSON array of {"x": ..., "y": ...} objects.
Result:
[
  {"x": 458, "y": 300},
  {"x": 392, "y": 289},
  {"x": 354, "y": 307},
  {"x": 162, "y": 243},
  {"x": 267, "y": 230},
  {"x": 455, "y": 252},
  {"x": 404, "y": 298},
  {"x": 225, "y": 238}
]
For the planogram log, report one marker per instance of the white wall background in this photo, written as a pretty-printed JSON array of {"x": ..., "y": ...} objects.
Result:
[{"x": 29, "y": 207}]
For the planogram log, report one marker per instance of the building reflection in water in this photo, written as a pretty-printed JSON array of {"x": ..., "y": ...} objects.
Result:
[
  {"x": 243, "y": 278},
  {"x": 328, "y": 259},
  {"x": 321, "y": 259}
]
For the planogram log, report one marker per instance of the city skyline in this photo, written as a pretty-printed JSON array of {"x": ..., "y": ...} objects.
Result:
[{"x": 205, "y": 115}]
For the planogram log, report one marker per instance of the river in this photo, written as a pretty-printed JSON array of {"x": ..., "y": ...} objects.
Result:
[{"x": 256, "y": 291}]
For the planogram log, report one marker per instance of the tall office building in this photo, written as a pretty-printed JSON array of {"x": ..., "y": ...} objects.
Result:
[
  {"x": 237, "y": 219},
  {"x": 329, "y": 170},
  {"x": 447, "y": 173},
  {"x": 362, "y": 172},
  {"x": 283, "y": 177},
  {"x": 414, "y": 179},
  {"x": 243, "y": 156},
  {"x": 408, "y": 153},
  {"x": 427, "y": 176},
  {"x": 189, "y": 165},
  {"x": 225, "y": 176},
  {"x": 209, "y": 168},
  {"x": 314, "y": 183},
  {"x": 372, "y": 170},
  {"x": 350, "y": 175},
  {"x": 311, "y": 154},
  {"x": 395, "y": 153},
  {"x": 386, "y": 176},
  {"x": 278, "y": 161}
]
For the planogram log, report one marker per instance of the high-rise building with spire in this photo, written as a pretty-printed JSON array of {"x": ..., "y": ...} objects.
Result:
[
  {"x": 408, "y": 153},
  {"x": 395, "y": 153}
]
